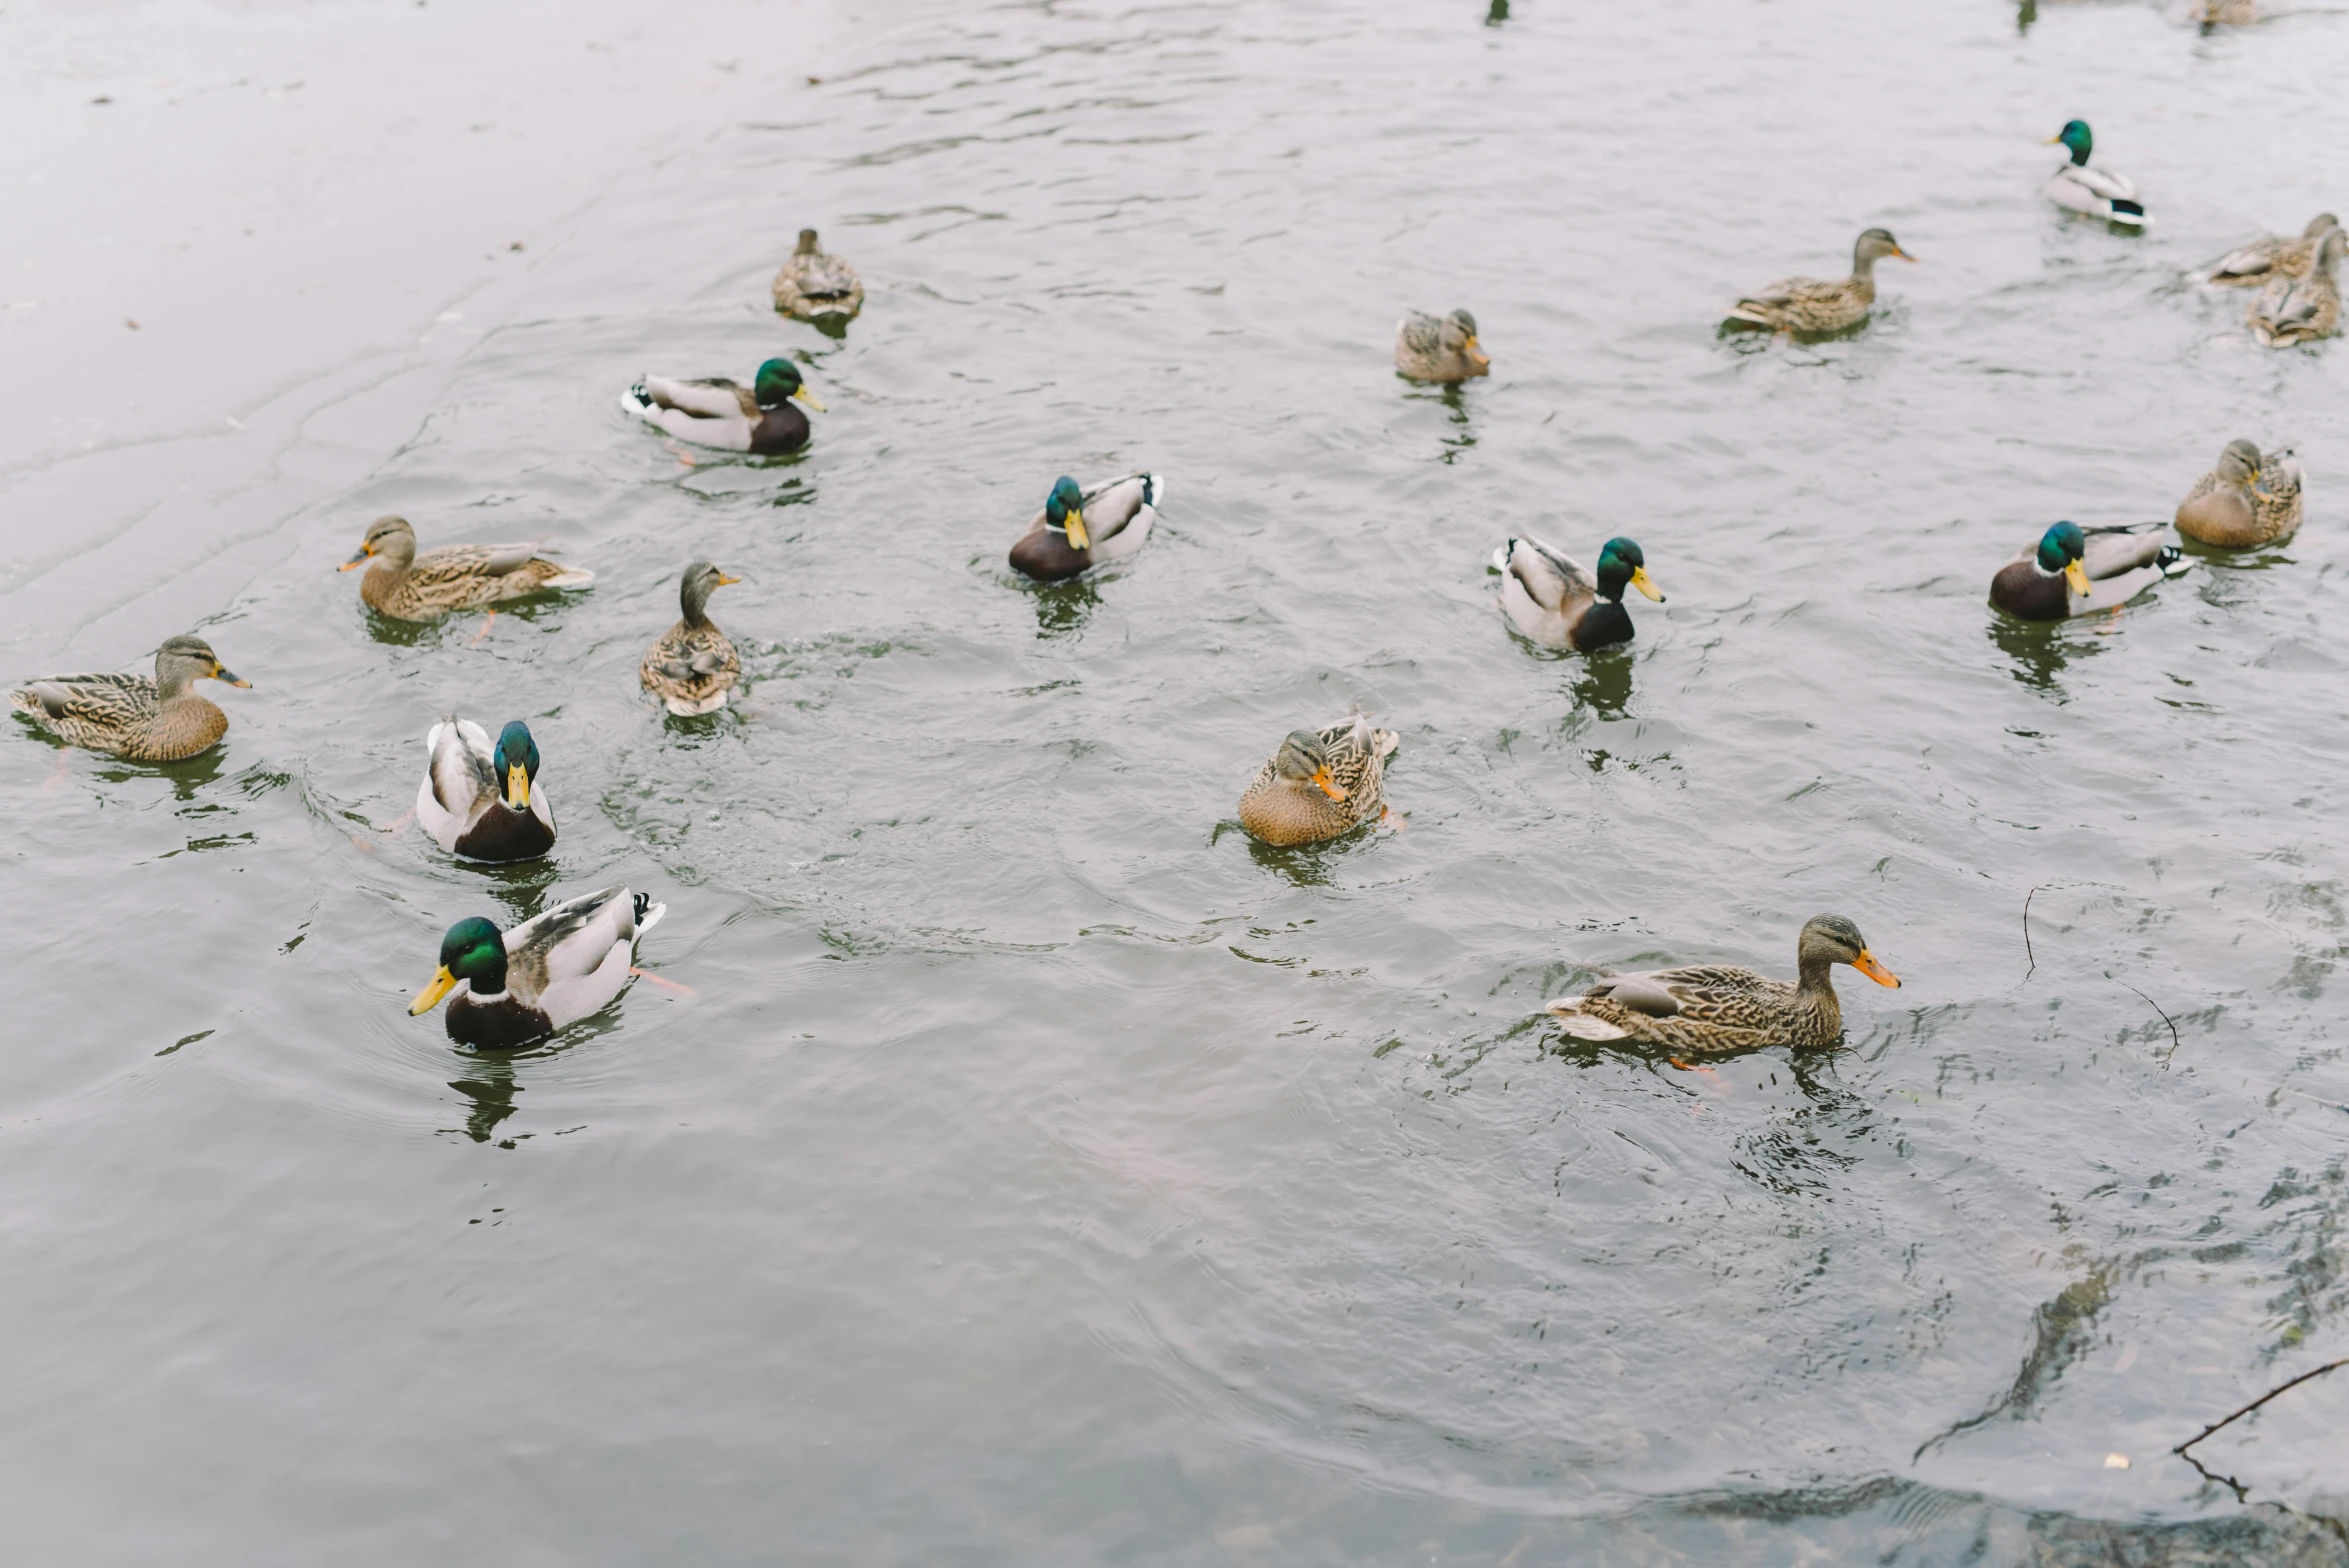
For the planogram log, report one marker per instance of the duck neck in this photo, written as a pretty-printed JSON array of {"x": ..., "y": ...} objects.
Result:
[
  {"x": 1815, "y": 990},
  {"x": 694, "y": 599},
  {"x": 173, "y": 680}
]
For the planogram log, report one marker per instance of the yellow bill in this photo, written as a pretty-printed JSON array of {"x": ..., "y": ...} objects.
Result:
[
  {"x": 723, "y": 579},
  {"x": 1077, "y": 537},
  {"x": 1866, "y": 964},
  {"x": 1646, "y": 584},
  {"x": 805, "y": 396},
  {"x": 517, "y": 787},
  {"x": 2076, "y": 574},
  {"x": 429, "y": 998}
]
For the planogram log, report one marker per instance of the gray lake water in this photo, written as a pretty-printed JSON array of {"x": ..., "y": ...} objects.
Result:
[{"x": 1017, "y": 1166}]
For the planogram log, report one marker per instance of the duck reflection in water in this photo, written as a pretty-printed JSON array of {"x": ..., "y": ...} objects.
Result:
[
  {"x": 1602, "y": 683},
  {"x": 490, "y": 1091},
  {"x": 521, "y": 885},
  {"x": 1498, "y": 14},
  {"x": 188, "y": 776},
  {"x": 1063, "y": 608},
  {"x": 2043, "y": 649}
]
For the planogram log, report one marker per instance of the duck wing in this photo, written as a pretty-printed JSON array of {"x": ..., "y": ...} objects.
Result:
[
  {"x": 1551, "y": 578},
  {"x": 1111, "y": 505},
  {"x": 106, "y": 697},
  {"x": 2249, "y": 263},
  {"x": 704, "y": 397},
  {"x": 460, "y": 774},
  {"x": 548, "y": 955},
  {"x": 1697, "y": 991},
  {"x": 2114, "y": 548}
]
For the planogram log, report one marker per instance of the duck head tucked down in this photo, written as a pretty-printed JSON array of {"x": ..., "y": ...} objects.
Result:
[{"x": 2248, "y": 499}]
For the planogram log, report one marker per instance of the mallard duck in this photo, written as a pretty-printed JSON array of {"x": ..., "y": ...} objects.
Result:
[
  {"x": 693, "y": 667},
  {"x": 814, "y": 284},
  {"x": 2298, "y": 310},
  {"x": 2277, "y": 256},
  {"x": 2248, "y": 499},
  {"x": 561, "y": 965},
  {"x": 411, "y": 587},
  {"x": 1430, "y": 348},
  {"x": 481, "y": 802},
  {"x": 1321, "y": 783},
  {"x": 2100, "y": 193},
  {"x": 1709, "y": 1009},
  {"x": 717, "y": 412},
  {"x": 1553, "y": 599},
  {"x": 2077, "y": 571},
  {"x": 1094, "y": 526},
  {"x": 1822, "y": 304},
  {"x": 137, "y": 719}
]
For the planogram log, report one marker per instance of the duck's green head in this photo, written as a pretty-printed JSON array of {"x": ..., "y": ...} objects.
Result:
[
  {"x": 2077, "y": 137},
  {"x": 1065, "y": 508},
  {"x": 517, "y": 763},
  {"x": 778, "y": 382},
  {"x": 473, "y": 950},
  {"x": 1623, "y": 565},
  {"x": 1304, "y": 760},
  {"x": 2060, "y": 550}
]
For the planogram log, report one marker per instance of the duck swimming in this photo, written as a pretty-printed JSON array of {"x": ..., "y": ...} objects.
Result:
[
  {"x": 1320, "y": 784},
  {"x": 1084, "y": 528},
  {"x": 1822, "y": 304},
  {"x": 1553, "y": 599},
  {"x": 1711, "y": 1009},
  {"x": 481, "y": 801},
  {"x": 2300, "y": 310},
  {"x": 563, "y": 964},
  {"x": 2277, "y": 256},
  {"x": 409, "y": 587},
  {"x": 2100, "y": 193},
  {"x": 2248, "y": 499},
  {"x": 2077, "y": 571},
  {"x": 131, "y": 716},
  {"x": 813, "y": 284},
  {"x": 759, "y": 419},
  {"x": 693, "y": 668},
  {"x": 1431, "y": 348}
]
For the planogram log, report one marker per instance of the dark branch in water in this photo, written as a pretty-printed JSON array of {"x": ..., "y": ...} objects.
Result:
[
  {"x": 2027, "y": 953},
  {"x": 2280, "y": 1388},
  {"x": 2165, "y": 1018}
]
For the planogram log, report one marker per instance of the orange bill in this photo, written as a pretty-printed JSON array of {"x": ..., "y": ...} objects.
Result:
[{"x": 1866, "y": 964}]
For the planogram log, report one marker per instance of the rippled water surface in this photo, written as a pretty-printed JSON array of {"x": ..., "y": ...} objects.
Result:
[{"x": 1017, "y": 1164}]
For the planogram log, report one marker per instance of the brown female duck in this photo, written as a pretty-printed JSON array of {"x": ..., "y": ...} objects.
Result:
[
  {"x": 411, "y": 587},
  {"x": 1822, "y": 304},
  {"x": 814, "y": 284},
  {"x": 1711, "y": 1009},
  {"x": 693, "y": 668},
  {"x": 2248, "y": 499},
  {"x": 2277, "y": 256},
  {"x": 2300, "y": 310},
  {"x": 1431, "y": 348},
  {"x": 137, "y": 719},
  {"x": 1320, "y": 784}
]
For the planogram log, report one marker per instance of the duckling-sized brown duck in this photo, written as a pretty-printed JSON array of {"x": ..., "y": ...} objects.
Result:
[
  {"x": 1713, "y": 1009},
  {"x": 2300, "y": 310},
  {"x": 694, "y": 667},
  {"x": 1320, "y": 784},
  {"x": 137, "y": 719},
  {"x": 1431, "y": 348},
  {"x": 2277, "y": 256},
  {"x": 814, "y": 284},
  {"x": 2077, "y": 571},
  {"x": 411, "y": 587},
  {"x": 2248, "y": 499},
  {"x": 1822, "y": 304}
]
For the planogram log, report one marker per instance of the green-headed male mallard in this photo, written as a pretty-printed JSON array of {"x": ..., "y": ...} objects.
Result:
[
  {"x": 1439, "y": 348},
  {"x": 137, "y": 719},
  {"x": 1711, "y": 1009},
  {"x": 693, "y": 667},
  {"x": 1320, "y": 784},
  {"x": 409, "y": 587},
  {"x": 563, "y": 964},
  {"x": 2077, "y": 571},
  {"x": 2100, "y": 193},
  {"x": 1822, "y": 304},
  {"x": 1553, "y": 599},
  {"x": 1095, "y": 525},
  {"x": 481, "y": 801},
  {"x": 814, "y": 284},
  {"x": 2299, "y": 310},
  {"x": 2248, "y": 499},
  {"x": 759, "y": 419},
  {"x": 2277, "y": 256}
]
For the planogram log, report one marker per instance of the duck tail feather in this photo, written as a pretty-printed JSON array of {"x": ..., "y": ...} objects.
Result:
[{"x": 648, "y": 913}]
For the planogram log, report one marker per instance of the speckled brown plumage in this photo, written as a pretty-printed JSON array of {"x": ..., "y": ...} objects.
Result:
[
  {"x": 2248, "y": 499},
  {"x": 411, "y": 587},
  {"x": 1822, "y": 304},
  {"x": 813, "y": 283},
  {"x": 132, "y": 716},
  {"x": 693, "y": 667},
  {"x": 1285, "y": 805},
  {"x": 1713, "y": 1009}
]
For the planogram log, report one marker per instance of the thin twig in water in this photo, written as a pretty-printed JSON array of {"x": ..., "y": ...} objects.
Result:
[
  {"x": 2165, "y": 1018},
  {"x": 2027, "y": 953},
  {"x": 2281, "y": 1388}
]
